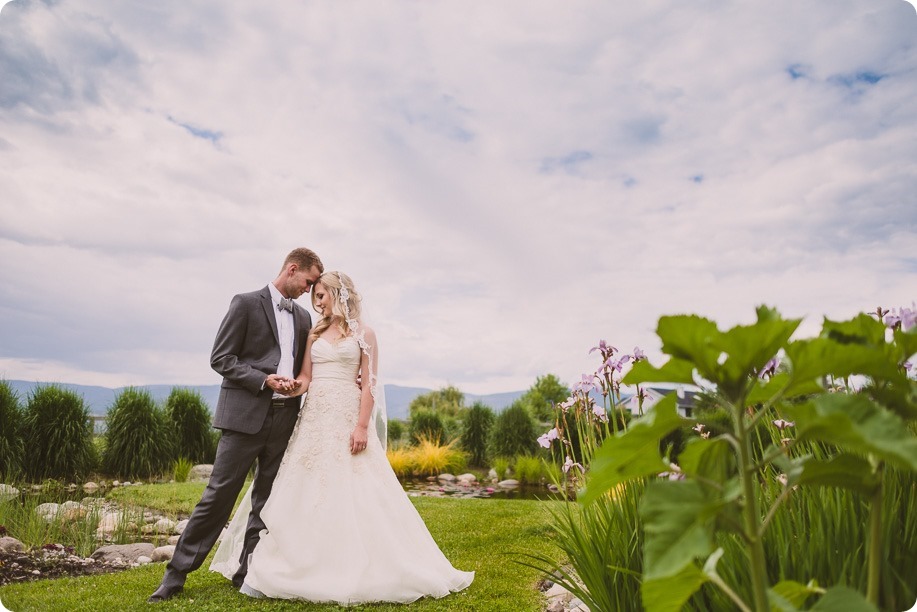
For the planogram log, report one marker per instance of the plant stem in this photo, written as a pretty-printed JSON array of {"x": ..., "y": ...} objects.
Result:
[
  {"x": 750, "y": 510},
  {"x": 874, "y": 563}
]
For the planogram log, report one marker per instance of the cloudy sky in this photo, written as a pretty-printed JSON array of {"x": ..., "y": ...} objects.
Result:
[{"x": 506, "y": 182}]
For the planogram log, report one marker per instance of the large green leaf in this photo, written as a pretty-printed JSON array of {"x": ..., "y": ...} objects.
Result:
[
  {"x": 670, "y": 594},
  {"x": 750, "y": 347},
  {"x": 843, "y": 599},
  {"x": 819, "y": 357},
  {"x": 673, "y": 371},
  {"x": 678, "y": 526},
  {"x": 633, "y": 453},
  {"x": 844, "y": 471},
  {"x": 711, "y": 459},
  {"x": 691, "y": 338},
  {"x": 863, "y": 329},
  {"x": 791, "y": 387},
  {"x": 793, "y": 593},
  {"x": 857, "y": 424}
]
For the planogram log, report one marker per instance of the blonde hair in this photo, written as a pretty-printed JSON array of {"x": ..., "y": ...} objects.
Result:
[{"x": 342, "y": 310}]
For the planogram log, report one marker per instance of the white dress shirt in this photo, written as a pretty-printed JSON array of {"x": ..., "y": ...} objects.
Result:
[{"x": 284, "y": 320}]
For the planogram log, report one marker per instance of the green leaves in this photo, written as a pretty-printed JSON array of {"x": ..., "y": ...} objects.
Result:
[
  {"x": 633, "y": 453},
  {"x": 856, "y": 424},
  {"x": 678, "y": 522}
]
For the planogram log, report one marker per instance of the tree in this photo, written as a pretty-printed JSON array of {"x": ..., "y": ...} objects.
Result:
[
  {"x": 541, "y": 396},
  {"x": 476, "y": 428},
  {"x": 448, "y": 401}
]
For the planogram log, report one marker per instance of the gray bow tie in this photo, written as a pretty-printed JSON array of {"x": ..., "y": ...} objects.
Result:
[{"x": 285, "y": 304}]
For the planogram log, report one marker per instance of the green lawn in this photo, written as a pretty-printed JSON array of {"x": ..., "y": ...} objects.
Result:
[{"x": 482, "y": 535}]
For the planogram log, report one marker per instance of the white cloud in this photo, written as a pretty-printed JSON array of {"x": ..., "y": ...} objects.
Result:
[{"x": 507, "y": 183}]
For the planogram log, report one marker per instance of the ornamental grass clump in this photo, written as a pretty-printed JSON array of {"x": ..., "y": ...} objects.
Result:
[
  {"x": 401, "y": 458},
  {"x": 432, "y": 457},
  {"x": 476, "y": 427},
  {"x": 138, "y": 438},
  {"x": 11, "y": 447},
  {"x": 57, "y": 432},
  {"x": 190, "y": 418},
  {"x": 513, "y": 433}
]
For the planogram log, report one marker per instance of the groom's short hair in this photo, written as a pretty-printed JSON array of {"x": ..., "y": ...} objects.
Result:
[{"x": 304, "y": 258}]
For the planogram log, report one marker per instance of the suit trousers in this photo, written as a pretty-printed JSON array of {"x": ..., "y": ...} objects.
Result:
[{"x": 236, "y": 453}]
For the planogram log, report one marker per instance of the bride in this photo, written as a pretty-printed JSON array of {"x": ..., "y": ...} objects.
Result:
[{"x": 339, "y": 527}]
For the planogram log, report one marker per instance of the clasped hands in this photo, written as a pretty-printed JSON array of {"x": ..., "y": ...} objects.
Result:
[{"x": 284, "y": 385}]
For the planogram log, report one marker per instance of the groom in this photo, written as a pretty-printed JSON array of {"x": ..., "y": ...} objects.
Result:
[{"x": 258, "y": 349}]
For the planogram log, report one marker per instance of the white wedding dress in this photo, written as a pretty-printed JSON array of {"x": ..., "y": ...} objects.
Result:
[{"x": 340, "y": 528}]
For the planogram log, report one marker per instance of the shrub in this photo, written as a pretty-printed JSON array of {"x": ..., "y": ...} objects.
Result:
[
  {"x": 395, "y": 431},
  {"x": 11, "y": 447},
  {"x": 475, "y": 431},
  {"x": 514, "y": 433},
  {"x": 139, "y": 438},
  {"x": 59, "y": 434},
  {"x": 501, "y": 467},
  {"x": 191, "y": 424},
  {"x": 427, "y": 424}
]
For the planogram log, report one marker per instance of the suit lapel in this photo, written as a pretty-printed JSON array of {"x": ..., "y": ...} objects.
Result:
[{"x": 268, "y": 305}]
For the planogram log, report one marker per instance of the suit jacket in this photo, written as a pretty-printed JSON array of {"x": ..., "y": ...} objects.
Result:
[{"x": 245, "y": 351}]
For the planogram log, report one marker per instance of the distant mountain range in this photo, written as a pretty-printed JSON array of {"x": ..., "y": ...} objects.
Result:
[{"x": 100, "y": 399}]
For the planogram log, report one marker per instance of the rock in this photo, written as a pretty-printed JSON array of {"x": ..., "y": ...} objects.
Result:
[
  {"x": 8, "y": 544},
  {"x": 508, "y": 483},
  {"x": 48, "y": 511},
  {"x": 164, "y": 525},
  {"x": 73, "y": 511},
  {"x": 144, "y": 560},
  {"x": 115, "y": 483},
  {"x": 200, "y": 472},
  {"x": 180, "y": 527},
  {"x": 467, "y": 478},
  {"x": 126, "y": 483},
  {"x": 163, "y": 553},
  {"x": 577, "y": 606},
  {"x": 109, "y": 523},
  {"x": 93, "y": 502},
  {"x": 90, "y": 487},
  {"x": 446, "y": 478},
  {"x": 492, "y": 474},
  {"x": 173, "y": 540},
  {"x": 8, "y": 492},
  {"x": 126, "y": 553}
]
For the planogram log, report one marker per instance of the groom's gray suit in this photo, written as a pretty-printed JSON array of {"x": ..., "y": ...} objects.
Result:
[{"x": 254, "y": 426}]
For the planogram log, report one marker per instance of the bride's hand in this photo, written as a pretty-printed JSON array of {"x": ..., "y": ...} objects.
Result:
[{"x": 358, "y": 439}]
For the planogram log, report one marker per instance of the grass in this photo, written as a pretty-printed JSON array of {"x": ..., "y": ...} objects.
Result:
[{"x": 485, "y": 536}]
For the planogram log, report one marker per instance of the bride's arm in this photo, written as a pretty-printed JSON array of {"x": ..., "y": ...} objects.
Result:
[
  {"x": 301, "y": 384},
  {"x": 360, "y": 434}
]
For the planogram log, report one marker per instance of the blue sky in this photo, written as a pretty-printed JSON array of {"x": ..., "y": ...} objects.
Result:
[{"x": 506, "y": 182}]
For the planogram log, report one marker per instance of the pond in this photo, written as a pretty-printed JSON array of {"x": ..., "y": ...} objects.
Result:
[{"x": 434, "y": 488}]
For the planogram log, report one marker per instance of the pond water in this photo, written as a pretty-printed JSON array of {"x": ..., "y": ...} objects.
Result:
[{"x": 433, "y": 488}]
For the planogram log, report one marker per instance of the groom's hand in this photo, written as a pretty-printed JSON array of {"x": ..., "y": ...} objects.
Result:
[{"x": 282, "y": 384}]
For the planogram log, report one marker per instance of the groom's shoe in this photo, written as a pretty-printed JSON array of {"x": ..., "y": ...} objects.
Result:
[{"x": 164, "y": 593}]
